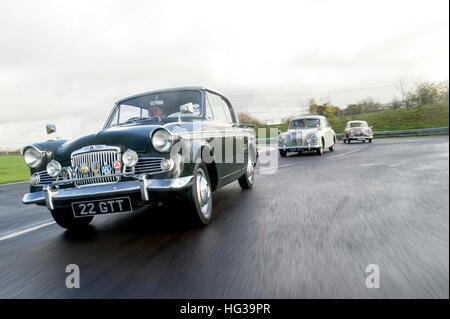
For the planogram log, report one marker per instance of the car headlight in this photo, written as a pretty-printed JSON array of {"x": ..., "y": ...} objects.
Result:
[
  {"x": 312, "y": 138},
  {"x": 33, "y": 158},
  {"x": 53, "y": 168},
  {"x": 162, "y": 140},
  {"x": 130, "y": 158}
]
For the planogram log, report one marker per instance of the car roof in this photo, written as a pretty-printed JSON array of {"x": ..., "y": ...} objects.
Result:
[
  {"x": 308, "y": 117},
  {"x": 181, "y": 88},
  {"x": 356, "y": 121}
]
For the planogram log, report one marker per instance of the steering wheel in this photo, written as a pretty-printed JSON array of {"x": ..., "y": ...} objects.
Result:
[{"x": 132, "y": 119}]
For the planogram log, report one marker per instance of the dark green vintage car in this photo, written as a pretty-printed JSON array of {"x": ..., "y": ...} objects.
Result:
[{"x": 181, "y": 143}]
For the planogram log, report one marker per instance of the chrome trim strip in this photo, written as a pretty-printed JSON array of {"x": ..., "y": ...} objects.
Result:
[
  {"x": 298, "y": 147},
  {"x": 94, "y": 148},
  {"x": 28, "y": 146}
]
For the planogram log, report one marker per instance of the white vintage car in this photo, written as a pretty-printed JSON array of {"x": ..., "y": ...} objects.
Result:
[
  {"x": 358, "y": 131},
  {"x": 307, "y": 133}
]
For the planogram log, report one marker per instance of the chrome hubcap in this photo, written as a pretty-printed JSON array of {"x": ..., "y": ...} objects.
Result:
[
  {"x": 250, "y": 171},
  {"x": 203, "y": 193}
]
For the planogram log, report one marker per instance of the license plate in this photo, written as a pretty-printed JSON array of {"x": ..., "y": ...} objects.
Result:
[{"x": 102, "y": 206}]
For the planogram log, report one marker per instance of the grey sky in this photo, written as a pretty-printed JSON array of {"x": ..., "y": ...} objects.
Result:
[{"x": 66, "y": 62}]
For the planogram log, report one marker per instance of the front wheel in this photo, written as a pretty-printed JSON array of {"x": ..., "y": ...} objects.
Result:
[
  {"x": 199, "y": 197},
  {"x": 64, "y": 218},
  {"x": 319, "y": 151},
  {"x": 283, "y": 153},
  {"x": 370, "y": 140}
]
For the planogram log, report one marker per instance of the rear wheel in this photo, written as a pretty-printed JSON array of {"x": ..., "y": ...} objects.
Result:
[
  {"x": 247, "y": 180},
  {"x": 199, "y": 197},
  {"x": 64, "y": 218},
  {"x": 283, "y": 153},
  {"x": 333, "y": 146},
  {"x": 370, "y": 140}
]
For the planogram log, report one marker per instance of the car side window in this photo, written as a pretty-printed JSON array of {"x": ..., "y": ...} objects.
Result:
[{"x": 219, "y": 108}]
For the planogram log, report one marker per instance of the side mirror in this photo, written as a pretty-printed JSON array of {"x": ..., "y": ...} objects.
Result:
[{"x": 51, "y": 128}]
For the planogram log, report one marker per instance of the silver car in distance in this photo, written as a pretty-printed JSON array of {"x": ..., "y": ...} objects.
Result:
[
  {"x": 307, "y": 133},
  {"x": 358, "y": 131}
]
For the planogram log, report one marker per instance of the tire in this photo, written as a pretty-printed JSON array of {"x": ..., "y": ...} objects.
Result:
[
  {"x": 319, "y": 151},
  {"x": 247, "y": 180},
  {"x": 348, "y": 141},
  {"x": 370, "y": 140},
  {"x": 345, "y": 141},
  {"x": 283, "y": 153},
  {"x": 198, "y": 198},
  {"x": 331, "y": 148},
  {"x": 363, "y": 141},
  {"x": 64, "y": 218}
]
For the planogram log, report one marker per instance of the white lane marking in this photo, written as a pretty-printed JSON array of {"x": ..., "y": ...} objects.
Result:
[
  {"x": 348, "y": 152},
  {"x": 296, "y": 163},
  {"x": 27, "y": 230}
]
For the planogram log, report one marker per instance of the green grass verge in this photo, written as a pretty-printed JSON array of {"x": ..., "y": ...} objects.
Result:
[
  {"x": 425, "y": 116},
  {"x": 13, "y": 169}
]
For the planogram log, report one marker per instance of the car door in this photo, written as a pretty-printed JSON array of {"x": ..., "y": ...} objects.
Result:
[
  {"x": 225, "y": 136},
  {"x": 328, "y": 134}
]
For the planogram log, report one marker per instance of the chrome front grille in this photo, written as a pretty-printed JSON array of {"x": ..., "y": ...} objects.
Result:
[
  {"x": 148, "y": 165},
  {"x": 44, "y": 178},
  {"x": 99, "y": 164},
  {"x": 296, "y": 138}
]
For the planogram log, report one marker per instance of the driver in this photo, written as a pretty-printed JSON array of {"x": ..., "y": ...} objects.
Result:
[{"x": 155, "y": 110}]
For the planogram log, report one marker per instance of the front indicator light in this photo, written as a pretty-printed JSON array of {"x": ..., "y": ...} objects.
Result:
[
  {"x": 35, "y": 179},
  {"x": 167, "y": 164}
]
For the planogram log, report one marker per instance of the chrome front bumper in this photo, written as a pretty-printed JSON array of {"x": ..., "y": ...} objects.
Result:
[
  {"x": 298, "y": 147},
  {"x": 360, "y": 137},
  {"x": 50, "y": 194}
]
